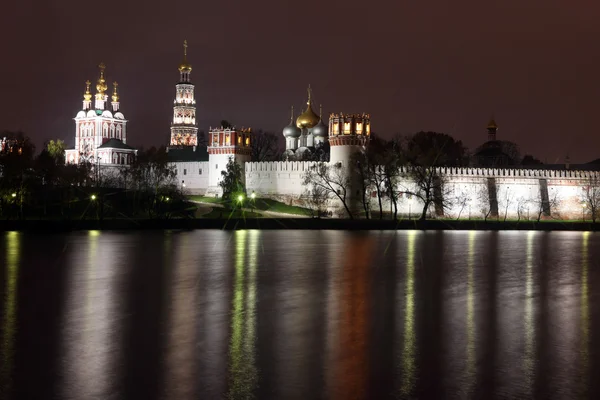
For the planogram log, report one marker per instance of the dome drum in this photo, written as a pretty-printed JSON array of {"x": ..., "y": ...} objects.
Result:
[{"x": 350, "y": 124}]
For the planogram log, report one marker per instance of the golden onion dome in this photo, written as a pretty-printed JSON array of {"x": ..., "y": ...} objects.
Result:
[
  {"x": 101, "y": 84},
  {"x": 308, "y": 118},
  {"x": 492, "y": 124},
  {"x": 185, "y": 66}
]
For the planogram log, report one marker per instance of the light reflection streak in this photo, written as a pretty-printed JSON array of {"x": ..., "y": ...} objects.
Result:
[
  {"x": 243, "y": 377},
  {"x": 470, "y": 372},
  {"x": 91, "y": 320},
  {"x": 408, "y": 350},
  {"x": 585, "y": 319},
  {"x": 529, "y": 356},
  {"x": 9, "y": 325},
  {"x": 181, "y": 354}
]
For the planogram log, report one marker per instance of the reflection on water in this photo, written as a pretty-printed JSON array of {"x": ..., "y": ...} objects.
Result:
[
  {"x": 9, "y": 324},
  {"x": 529, "y": 356},
  {"x": 585, "y": 319},
  {"x": 300, "y": 314},
  {"x": 408, "y": 349},
  {"x": 470, "y": 371},
  {"x": 243, "y": 376}
]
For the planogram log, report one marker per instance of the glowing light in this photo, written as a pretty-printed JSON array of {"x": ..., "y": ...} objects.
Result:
[
  {"x": 166, "y": 199},
  {"x": 253, "y": 195},
  {"x": 14, "y": 195},
  {"x": 93, "y": 197},
  {"x": 408, "y": 350},
  {"x": 9, "y": 326},
  {"x": 240, "y": 198}
]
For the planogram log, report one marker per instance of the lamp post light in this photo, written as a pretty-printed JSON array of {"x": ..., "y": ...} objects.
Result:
[
  {"x": 93, "y": 197},
  {"x": 14, "y": 195}
]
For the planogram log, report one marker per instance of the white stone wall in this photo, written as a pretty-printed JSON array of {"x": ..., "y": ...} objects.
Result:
[
  {"x": 282, "y": 178},
  {"x": 518, "y": 191},
  {"x": 194, "y": 174}
]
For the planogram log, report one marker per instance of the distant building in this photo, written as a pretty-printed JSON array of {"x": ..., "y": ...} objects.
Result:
[
  {"x": 494, "y": 153},
  {"x": 100, "y": 132}
]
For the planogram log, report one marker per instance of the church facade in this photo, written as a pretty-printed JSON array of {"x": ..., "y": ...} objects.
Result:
[{"x": 101, "y": 131}]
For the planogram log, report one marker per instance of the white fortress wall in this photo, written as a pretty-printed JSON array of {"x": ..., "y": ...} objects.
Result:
[
  {"x": 277, "y": 179},
  {"x": 194, "y": 174}
]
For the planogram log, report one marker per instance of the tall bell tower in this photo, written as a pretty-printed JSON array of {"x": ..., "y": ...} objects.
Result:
[{"x": 184, "y": 130}]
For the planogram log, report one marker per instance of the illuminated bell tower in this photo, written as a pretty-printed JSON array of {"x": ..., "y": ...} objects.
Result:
[{"x": 184, "y": 131}]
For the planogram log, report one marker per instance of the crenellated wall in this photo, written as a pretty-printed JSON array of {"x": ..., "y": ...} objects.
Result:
[{"x": 472, "y": 192}]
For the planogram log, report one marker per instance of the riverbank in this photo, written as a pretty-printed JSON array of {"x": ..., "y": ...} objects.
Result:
[{"x": 288, "y": 223}]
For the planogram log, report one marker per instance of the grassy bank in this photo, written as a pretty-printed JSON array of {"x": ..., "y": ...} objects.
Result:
[{"x": 259, "y": 204}]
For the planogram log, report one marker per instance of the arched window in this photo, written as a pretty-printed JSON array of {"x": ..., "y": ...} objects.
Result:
[
  {"x": 105, "y": 130},
  {"x": 119, "y": 132},
  {"x": 112, "y": 130}
]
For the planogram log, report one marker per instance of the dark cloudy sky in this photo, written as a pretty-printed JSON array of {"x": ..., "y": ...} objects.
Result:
[{"x": 413, "y": 64}]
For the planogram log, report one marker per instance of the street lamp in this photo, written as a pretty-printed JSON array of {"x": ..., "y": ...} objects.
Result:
[
  {"x": 240, "y": 198},
  {"x": 253, "y": 195},
  {"x": 14, "y": 195},
  {"x": 93, "y": 197}
]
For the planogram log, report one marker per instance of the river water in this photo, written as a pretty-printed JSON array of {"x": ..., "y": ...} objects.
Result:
[{"x": 299, "y": 315}]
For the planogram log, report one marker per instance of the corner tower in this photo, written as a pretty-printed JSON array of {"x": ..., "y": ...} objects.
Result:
[
  {"x": 348, "y": 133},
  {"x": 226, "y": 143},
  {"x": 184, "y": 131}
]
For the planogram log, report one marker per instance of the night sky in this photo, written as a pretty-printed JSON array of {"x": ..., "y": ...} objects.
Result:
[{"x": 414, "y": 65}]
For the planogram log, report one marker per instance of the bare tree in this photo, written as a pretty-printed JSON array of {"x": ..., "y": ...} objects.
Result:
[
  {"x": 332, "y": 180},
  {"x": 361, "y": 168},
  {"x": 505, "y": 199},
  {"x": 315, "y": 199},
  {"x": 483, "y": 196},
  {"x": 591, "y": 196},
  {"x": 462, "y": 199},
  {"x": 545, "y": 206},
  {"x": 426, "y": 153},
  {"x": 265, "y": 146},
  {"x": 522, "y": 203}
]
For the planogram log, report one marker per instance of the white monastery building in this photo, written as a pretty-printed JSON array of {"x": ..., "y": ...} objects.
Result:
[{"x": 494, "y": 189}]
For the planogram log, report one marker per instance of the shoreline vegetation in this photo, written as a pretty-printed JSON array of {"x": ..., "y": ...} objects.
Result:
[{"x": 253, "y": 222}]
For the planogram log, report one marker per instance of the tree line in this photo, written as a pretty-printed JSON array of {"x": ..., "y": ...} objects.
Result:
[{"x": 43, "y": 186}]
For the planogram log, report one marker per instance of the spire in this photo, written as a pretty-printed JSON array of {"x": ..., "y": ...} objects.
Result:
[
  {"x": 87, "y": 96},
  {"x": 115, "y": 97},
  {"x": 101, "y": 88},
  {"x": 321, "y": 112},
  {"x": 185, "y": 68},
  {"x": 292, "y": 117},
  {"x": 308, "y": 103}
]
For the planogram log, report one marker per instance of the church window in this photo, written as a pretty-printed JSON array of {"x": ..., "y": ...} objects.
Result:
[
  {"x": 185, "y": 171},
  {"x": 336, "y": 128},
  {"x": 105, "y": 130},
  {"x": 119, "y": 132},
  {"x": 112, "y": 131},
  {"x": 247, "y": 141},
  {"x": 200, "y": 171},
  {"x": 227, "y": 140},
  {"x": 359, "y": 128},
  {"x": 239, "y": 140}
]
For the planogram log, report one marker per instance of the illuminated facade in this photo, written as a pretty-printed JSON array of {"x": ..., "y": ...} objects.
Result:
[
  {"x": 184, "y": 131},
  {"x": 101, "y": 131}
]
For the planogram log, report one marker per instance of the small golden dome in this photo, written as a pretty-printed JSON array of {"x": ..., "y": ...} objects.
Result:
[
  {"x": 492, "y": 124},
  {"x": 87, "y": 96},
  {"x": 308, "y": 118},
  {"x": 115, "y": 95},
  {"x": 185, "y": 66},
  {"x": 101, "y": 84}
]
